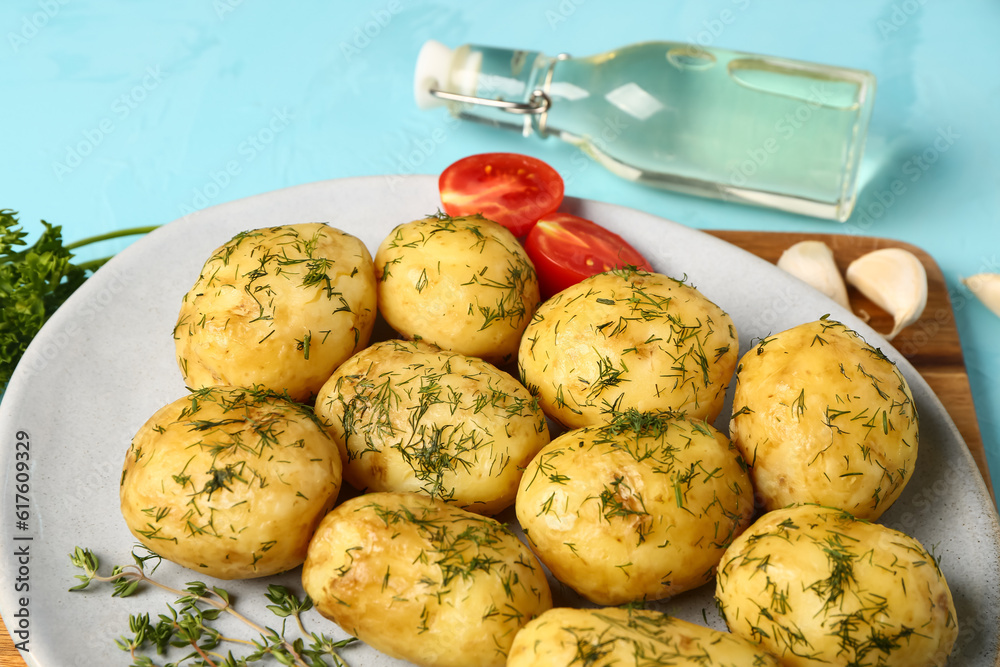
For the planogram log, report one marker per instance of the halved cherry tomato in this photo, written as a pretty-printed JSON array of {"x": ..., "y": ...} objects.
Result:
[
  {"x": 566, "y": 249},
  {"x": 514, "y": 190}
]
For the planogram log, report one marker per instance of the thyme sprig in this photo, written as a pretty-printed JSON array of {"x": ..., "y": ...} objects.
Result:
[{"x": 187, "y": 623}]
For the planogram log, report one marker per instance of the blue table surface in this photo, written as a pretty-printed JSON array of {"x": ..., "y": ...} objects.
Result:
[{"x": 119, "y": 114}]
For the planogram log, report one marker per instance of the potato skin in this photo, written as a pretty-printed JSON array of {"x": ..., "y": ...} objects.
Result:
[
  {"x": 410, "y": 417},
  {"x": 816, "y": 586},
  {"x": 639, "y": 509},
  {"x": 279, "y": 307},
  {"x": 564, "y": 637},
  {"x": 823, "y": 417},
  {"x": 628, "y": 339},
  {"x": 463, "y": 284},
  {"x": 230, "y": 482},
  {"x": 420, "y": 580}
]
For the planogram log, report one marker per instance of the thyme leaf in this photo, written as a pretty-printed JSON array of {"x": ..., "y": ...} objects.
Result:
[{"x": 187, "y": 624}]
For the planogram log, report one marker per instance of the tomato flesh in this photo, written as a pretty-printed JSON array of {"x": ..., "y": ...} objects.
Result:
[
  {"x": 566, "y": 249},
  {"x": 514, "y": 190}
]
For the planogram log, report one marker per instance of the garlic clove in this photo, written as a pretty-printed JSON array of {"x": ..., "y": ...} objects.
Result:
[
  {"x": 986, "y": 287},
  {"x": 812, "y": 262},
  {"x": 895, "y": 280}
]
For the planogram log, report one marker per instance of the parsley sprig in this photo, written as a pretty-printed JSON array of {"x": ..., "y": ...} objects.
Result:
[
  {"x": 187, "y": 623},
  {"x": 37, "y": 279}
]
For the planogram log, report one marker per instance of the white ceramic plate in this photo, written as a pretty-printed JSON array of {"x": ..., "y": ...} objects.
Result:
[{"x": 105, "y": 362}]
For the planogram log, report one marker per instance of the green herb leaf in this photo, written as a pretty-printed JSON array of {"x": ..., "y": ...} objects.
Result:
[
  {"x": 35, "y": 281},
  {"x": 189, "y": 627}
]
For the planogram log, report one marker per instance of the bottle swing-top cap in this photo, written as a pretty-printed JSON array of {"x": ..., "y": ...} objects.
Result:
[
  {"x": 443, "y": 74},
  {"x": 434, "y": 66}
]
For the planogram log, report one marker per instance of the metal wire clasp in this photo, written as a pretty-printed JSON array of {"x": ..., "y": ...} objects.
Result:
[{"x": 538, "y": 102}]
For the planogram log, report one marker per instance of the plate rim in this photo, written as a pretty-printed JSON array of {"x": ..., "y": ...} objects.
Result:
[{"x": 22, "y": 377}]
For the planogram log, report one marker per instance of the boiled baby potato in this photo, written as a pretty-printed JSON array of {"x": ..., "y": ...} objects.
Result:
[
  {"x": 815, "y": 586},
  {"x": 230, "y": 482},
  {"x": 639, "y": 509},
  {"x": 565, "y": 637},
  {"x": 823, "y": 417},
  {"x": 423, "y": 581},
  {"x": 463, "y": 284},
  {"x": 279, "y": 307},
  {"x": 408, "y": 416},
  {"x": 628, "y": 339}
]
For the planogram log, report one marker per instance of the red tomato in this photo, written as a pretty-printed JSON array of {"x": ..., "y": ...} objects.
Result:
[
  {"x": 514, "y": 190},
  {"x": 566, "y": 249}
]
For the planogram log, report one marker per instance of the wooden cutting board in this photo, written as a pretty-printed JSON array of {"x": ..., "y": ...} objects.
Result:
[{"x": 931, "y": 344}]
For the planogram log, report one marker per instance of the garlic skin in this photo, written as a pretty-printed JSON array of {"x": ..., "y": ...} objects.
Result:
[
  {"x": 812, "y": 262},
  {"x": 986, "y": 287},
  {"x": 895, "y": 280}
]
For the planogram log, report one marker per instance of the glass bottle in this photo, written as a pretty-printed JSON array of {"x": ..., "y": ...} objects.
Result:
[{"x": 706, "y": 121}]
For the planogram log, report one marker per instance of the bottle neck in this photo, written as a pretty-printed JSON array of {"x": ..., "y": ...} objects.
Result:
[{"x": 510, "y": 75}]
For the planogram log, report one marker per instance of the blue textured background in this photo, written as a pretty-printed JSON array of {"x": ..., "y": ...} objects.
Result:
[{"x": 118, "y": 114}]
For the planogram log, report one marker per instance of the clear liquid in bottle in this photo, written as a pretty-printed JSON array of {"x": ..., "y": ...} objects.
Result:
[{"x": 710, "y": 122}]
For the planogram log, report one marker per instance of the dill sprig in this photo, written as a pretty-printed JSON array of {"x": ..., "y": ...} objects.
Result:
[
  {"x": 188, "y": 622},
  {"x": 410, "y": 413},
  {"x": 641, "y": 319},
  {"x": 458, "y": 546},
  {"x": 275, "y": 260},
  {"x": 501, "y": 299},
  {"x": 843, "y": 599}
]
